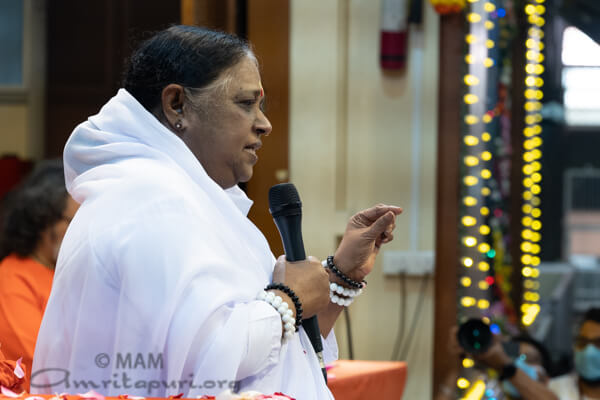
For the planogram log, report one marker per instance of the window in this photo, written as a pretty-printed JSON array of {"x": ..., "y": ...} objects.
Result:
[
  {"x": 581, "y": 78},
  {"x": 11, "y": 43}
]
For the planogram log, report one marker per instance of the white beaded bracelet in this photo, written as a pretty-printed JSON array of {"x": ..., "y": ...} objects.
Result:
[
  {"x": 344, "y": 291},
  {"x": 342, "y": 296},
  {"x": 287, "y": 315},
  {"x": 340, "y": 301}
]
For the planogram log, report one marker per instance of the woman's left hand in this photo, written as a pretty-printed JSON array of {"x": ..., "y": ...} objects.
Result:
[{"x": 365, "y": 233}]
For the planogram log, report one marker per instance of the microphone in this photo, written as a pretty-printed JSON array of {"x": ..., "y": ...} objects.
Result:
[{"x": 286, "y": 208}]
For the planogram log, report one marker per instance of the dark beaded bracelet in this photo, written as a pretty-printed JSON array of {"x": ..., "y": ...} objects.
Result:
[
  {"x": 340, "y": 274},
  {"x": 285, "y": 289}
]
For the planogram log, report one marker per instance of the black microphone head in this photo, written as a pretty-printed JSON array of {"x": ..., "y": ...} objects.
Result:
[{"x": 284, "y": 198}]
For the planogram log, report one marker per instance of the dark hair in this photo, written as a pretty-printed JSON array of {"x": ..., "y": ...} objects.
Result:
[
  {"x": 592, "y": 314},
  {"x": 544, "y": 354},
  {"x": 33, "y": 206},
  {"x": 187, "y": 55}
]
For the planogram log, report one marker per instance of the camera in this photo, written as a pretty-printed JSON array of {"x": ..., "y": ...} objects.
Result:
[{"x": 476, "y": 337}]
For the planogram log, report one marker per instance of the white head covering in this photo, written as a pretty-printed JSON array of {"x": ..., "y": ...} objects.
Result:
[{"x": 161, "y": 262}]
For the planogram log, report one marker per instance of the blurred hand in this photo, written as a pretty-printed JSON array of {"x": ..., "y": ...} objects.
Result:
[
  {"x": 454, "y": 348},
  {"x": 495, "y": 357},
  {"x": 308, "y": 279},
  {"x": 365, "y": 233}
]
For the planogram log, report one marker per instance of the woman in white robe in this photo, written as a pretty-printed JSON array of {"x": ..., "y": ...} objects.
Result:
[{"x": 155, "y": 291}]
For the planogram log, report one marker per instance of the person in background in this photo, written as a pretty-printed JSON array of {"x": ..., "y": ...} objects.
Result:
[
  {"x": 535, "y": 354},
  {"x": 35, "y": 219},
  {"x": 522, "y": 377},
  {"x": 584, "y": 382}
]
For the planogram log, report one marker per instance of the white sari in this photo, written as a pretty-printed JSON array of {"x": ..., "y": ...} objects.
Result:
[{"x": 155, "y": 286}]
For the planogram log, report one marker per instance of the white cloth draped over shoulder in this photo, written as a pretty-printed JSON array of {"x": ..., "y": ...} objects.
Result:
[{"x": 155, "y": 286}]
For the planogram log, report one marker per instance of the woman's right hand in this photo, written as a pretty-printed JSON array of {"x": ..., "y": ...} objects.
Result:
[{"x": 308, "y": 279}]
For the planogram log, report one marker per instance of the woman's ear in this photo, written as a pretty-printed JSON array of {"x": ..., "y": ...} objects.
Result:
[{"x": 172, "y": 98}]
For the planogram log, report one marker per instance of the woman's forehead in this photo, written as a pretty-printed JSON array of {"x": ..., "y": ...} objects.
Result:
[
  {"x": 529, "y": 351},
  {"x": 244, "y": 76},
  {"x": 590, "y": 330}
]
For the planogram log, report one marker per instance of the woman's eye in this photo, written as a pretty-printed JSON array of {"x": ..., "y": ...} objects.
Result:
[
  {"x": 250, "y": 103},
  {"x": 247, "y": 103}
]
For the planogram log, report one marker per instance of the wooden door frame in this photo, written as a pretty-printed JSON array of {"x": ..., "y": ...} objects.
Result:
[{"x": 448, "y": 197}]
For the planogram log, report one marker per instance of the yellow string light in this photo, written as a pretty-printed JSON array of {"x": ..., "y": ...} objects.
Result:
[
  {"x": 470, "y": 39},
  {"x": 471, "y": 140},
  {"x": 532, "y": 142},
  {"x": 473, "y": 18},
  {"x": 462, "y": 383},
  {"x": 470, "y": 98},
  {"x": 468, "y": 301},
  {"x": 483, "y": 266},
  {"x": 471, "y": 161},
  {"x": 471, "y": 119},
  {"x": 475, "y": 181},
  {"x": 470, "y": 201},
  {"x": 471, "y": 80},
  {"x": 483, "y": 304},
  {"x": 476, "y": 391},
  {"x": 470, "y": 180},
  {"x": 469, "y": 241},
  {"x": 467, "y": 220},
  {"x": 468, "y": 363}
]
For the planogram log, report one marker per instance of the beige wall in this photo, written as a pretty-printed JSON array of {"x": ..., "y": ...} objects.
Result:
[
  {"x": 350, "y": 147},
  {"x": 13, "y": 130}
]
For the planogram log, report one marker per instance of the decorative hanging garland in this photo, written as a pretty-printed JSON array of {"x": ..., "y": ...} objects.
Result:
[{"x": 448, "y": 6}]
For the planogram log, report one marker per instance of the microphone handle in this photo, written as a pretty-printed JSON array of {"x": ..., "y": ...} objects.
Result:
[
  {"x": 293, "y": 246},
  {"x": 311, "y": 327}
]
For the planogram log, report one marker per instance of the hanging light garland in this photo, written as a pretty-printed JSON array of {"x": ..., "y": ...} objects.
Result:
[
  {"x": 474, "y": 282},
  {"x": 477, "y": 251},
  {"x": 476, "y": 161},
  {"x": 532, "y": 141}
]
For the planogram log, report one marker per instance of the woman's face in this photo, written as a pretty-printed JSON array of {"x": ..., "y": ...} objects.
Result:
[
  {"x": 534, "y": 358},
  {"x": 226, "y": 136},
  {"x": 52, "y": 237},
  {"x": 531, "y": 353}
]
